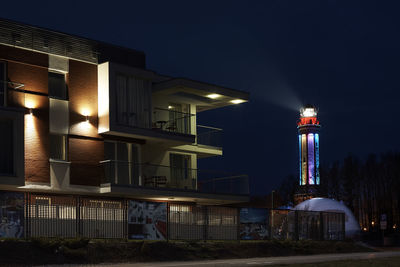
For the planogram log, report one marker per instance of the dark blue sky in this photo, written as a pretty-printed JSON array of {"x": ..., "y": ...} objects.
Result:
[{"x": 343, "y": 56}]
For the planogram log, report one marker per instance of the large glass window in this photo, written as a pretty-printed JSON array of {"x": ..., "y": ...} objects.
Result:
[
  {"x": 180, "y": 170},
  {"x": 57, "y": 86},
  {"x": 133, "y": 101},
  {"x": 121, "y": 163},
  {"x": 58, "y": 147},
  {"x": 179, "y": 118},
  {"x": 6, "y": 147}
]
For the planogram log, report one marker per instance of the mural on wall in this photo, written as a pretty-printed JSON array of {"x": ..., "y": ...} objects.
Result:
[
  {"x": 11, "y": 214},
  {"x": 254, "y": 224},
  {"x": 147, "y": 220}
]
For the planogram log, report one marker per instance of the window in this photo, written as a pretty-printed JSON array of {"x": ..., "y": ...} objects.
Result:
[
  {"x": 180, "y": 169},
  {"x": 57, "y": 86},
  {"x": 133, "y": 101},
  {"x": 179, "y": 118},
  {"x": 3, "y": 83},
  {"x": 58, "y": 147},
  {"x": 121, "y": 165},
  {"x": 6, "y": 145}
]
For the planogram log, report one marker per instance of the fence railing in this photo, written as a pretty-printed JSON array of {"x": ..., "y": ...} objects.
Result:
[
  {"x": 173, "y": 121},
  {"x": 158, "y": 176},
  {"x": 61, "y": 215},
  {"x": 209, "y": 136}
]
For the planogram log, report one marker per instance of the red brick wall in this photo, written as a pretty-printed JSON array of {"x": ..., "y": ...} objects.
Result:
[
  {"x": 37, "y": 168},
  {"x": 32, "y": 72},
  {"x": 82, "y": 89},
  {"x": 85, "y": 155},
  {"x": 33, "y": 77},
  {"x": 22, "y": 55}
]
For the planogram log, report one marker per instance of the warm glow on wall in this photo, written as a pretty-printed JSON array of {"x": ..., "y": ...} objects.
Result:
[
  {"x": 85, "y": 112},
  {"x": 83, "y": 128},
  {"x": 30, "y": 103}
]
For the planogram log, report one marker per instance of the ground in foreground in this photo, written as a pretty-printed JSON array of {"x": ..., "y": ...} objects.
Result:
[
  {"x": 56, "y": 251},
  {"x": 383, "y": 262}
]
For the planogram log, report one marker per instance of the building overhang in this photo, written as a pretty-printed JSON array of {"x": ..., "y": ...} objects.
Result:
[
  {"x": 171, "y": 195},
  {"x": 134, "y": 192},
  {"x": 205, "y": 96}
]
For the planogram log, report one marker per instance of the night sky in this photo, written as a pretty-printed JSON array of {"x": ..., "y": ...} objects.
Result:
[{"x": 342, "y": 56}]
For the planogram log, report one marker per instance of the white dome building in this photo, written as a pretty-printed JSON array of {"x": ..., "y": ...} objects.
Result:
[{"x": 352, "y": 227}]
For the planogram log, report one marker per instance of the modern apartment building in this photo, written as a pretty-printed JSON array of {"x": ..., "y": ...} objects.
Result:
[{"x": 95, "y": 144}]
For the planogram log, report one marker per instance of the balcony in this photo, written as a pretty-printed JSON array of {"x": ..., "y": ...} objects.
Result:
[
  {"x": 129, "y": 174},
  {"x": 172, "y": 121},
  {"x": 209, "y": 136}
]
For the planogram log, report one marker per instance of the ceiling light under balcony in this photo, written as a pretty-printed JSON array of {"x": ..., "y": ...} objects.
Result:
[
  {"x": 214, "y": 96},
  {"x": 237, "y": 101}
]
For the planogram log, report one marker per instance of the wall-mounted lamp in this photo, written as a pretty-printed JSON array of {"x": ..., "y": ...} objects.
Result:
[
  {"x": 29, "y": 104},
  {"x": 85, "y": 113}
]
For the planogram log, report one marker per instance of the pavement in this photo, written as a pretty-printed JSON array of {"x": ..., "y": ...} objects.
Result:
[{"x": 258, "y": 261}]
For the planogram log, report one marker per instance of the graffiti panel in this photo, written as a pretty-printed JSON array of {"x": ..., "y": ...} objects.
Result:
[
  {"x": 11, "y": 214},
  {"x": 254, "y": 224},
  {"x": 147, "y": 220}
]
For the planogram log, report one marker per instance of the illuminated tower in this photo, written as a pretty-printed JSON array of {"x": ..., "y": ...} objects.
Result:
[{"x": 308, "y": 131}]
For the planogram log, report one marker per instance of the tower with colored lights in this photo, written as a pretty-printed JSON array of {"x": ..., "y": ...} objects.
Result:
[{"x": 308, "y": 133}]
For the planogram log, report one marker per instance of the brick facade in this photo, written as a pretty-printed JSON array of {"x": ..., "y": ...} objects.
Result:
[
  {"x": 35, "y": 79},
  {"x": 82, "y": 90},
  {"x": 85, "y": 155}
]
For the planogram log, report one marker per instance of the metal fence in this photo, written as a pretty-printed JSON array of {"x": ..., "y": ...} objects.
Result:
[
  {"x": 191, "y": 222},
  {"x": 72, "y": 216},
  {"x": 307, "y": 225},
  {"x": 45, "y": 215}
]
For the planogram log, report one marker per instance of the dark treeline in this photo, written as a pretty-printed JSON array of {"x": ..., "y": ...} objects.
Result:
[{"x": 369, "y": 188}]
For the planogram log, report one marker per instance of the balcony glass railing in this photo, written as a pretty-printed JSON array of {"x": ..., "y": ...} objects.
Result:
[
  {"x": 173, "y": 121},
  {"x": 209, "y": 136},
  {"x": 158, "y": 176}
]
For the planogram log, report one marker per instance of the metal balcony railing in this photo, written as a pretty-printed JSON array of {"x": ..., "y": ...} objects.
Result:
[
  {"x": 173, "y": 121},
  {"x": 47, "y": 41},
  {"x": 12, "y": 94},
  {"x": 209, "y": 136},
  {"x": 158, "y": 176}
]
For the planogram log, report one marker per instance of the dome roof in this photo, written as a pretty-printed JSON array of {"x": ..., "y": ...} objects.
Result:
[{"x": 326, "y": 204}]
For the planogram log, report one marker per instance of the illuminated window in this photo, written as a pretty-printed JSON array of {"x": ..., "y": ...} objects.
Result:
[
  {"x": 42, "y": 208},
  {"x": 311, "y": 164},
  {"x": 58, "y": 147},
  {"x": 57, "y": 86},
  {"x": 303, "y": 159},
  {"x": 300, "y": 160},
  {"x": 106, "y": 210},
  {"x": 317, "y": 158}
]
